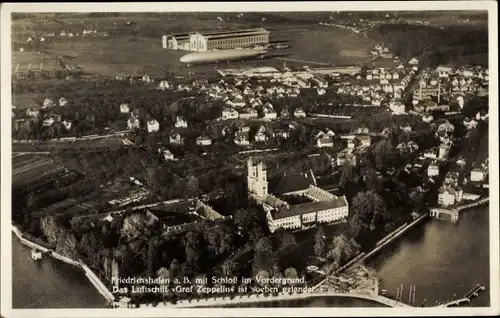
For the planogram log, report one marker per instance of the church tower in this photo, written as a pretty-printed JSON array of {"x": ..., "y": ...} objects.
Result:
[{"x": 257, "y": 178}]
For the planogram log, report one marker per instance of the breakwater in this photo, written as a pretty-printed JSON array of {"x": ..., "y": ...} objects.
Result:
[{"x": 98, "y": 284}]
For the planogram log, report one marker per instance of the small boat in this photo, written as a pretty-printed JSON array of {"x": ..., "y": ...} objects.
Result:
[{"x": 36, "y": 255}]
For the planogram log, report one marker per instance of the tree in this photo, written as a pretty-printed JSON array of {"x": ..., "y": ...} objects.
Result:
[
  {"x": 152, "y": 250},
  {"x": 264, "y": 256},
  {"x": 228, "y": 268},
  {"x": 341, "y": 250},
  {"x": 50, "y": 229},
  {"x": 192, "y": 187},
  {"x": 319, "y": 242},
  {"x": 349, "y": 175},
  {"x": 286, "y": 243},
  {"x": 135, "y": 226},
  {"x": 291, "y": 272},
  {"x": 174, "y": 269},
  {"x": 367, "y": 208},
  {"x": 383, "y": 153}
]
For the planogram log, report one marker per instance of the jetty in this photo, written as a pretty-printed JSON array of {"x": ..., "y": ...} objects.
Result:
[
  {"x": 472, "y": 204},
  {"x": 454, "y": 212},
  {"x": 473, "y": 292}
]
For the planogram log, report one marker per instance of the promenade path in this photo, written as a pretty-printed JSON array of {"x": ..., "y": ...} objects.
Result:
[{"x": 254, "y": 298}]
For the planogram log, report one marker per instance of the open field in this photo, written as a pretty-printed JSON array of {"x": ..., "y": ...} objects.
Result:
[
  {"x": 42, "y": 168},
  {"x": 110, "y": 56},
  {"x": 19, "y": 161}
]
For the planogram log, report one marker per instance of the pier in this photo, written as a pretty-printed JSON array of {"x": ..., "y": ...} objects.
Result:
[
  {"x": 454, "y": 213},
  {"x": 472, "y": 204},
  {"x": 473, "y": 292},
  {"x": 451, "y": 212}
]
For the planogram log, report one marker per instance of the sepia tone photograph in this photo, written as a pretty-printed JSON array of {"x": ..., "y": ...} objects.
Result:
[{"x": 165, "y": 158}]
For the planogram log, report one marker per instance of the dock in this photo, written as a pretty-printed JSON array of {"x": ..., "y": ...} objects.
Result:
[
  {"x": 454, "y": 212},
  {"x": 473, "y": 292}
]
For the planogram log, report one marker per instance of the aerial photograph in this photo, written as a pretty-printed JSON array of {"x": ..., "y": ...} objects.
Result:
[{"x": 250, "y": 159}]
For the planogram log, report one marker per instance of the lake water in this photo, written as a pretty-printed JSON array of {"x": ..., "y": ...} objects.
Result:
[
  {"x": 439, "y": 257},
  {"x": 49, "y": 283}
]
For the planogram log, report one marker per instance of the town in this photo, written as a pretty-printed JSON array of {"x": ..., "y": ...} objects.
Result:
[{"x": 274, "y": 167}]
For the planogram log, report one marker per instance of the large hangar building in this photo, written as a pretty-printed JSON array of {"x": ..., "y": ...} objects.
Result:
[{"x": 199, "y": 42}]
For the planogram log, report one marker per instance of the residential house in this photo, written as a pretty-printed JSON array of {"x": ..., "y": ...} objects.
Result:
[
  {"x": 153, "y": 125},
  {"x": 203, "y": 141},
  {"x": 263, "y": 134},
  {"x": 397, "y": 108},
  {"x": 470, "y": 123},
  {"x": 320, "y": 82},
  {"x": 32, "y": 113},
  {"x": 229, "y": 113},
  {"x": 364, "y": 140},
  {"x": 63, "y": 102},
  {"x": 330, "y": 133},
  {"x": 269, "y": 112},
  {"x": 449, "y": 195},
  {"x": 48, "y": 122},
  {"x": 176, "y": 138},
  {"x": 237, "y": 102},
  {"x": 443, "y": 151},
  {"x": 321, "y": 91},
  {"x": 168, "y": 155},
  {"x": 283, "y": 133},
  {"x": 248, "y": 113},
  {"x": 299, "y": 113},
  {"x": 164, "y": 85},
  {"x": 433, "y": 169},
  {"x": 48, "y": 102},
  {"x": 180, "y": 122},
  {"x": 324, "y": 141},
  {"x": 430, "y": 154},
  {"x": 124, "y": 108},
  {"x": 133, "y": 123},
  {"x": 226, "y": 131},
  {"x": 284, "y": 113},
  {"x": 413, "y": 61},
  {"x": 362, "y": 130},
  {"x": 477, "y": 175},
  {"x": 405, "y": 127},
  {"x": 241, "y": 138},
  {"x": 352, "y": 143},
  {"x": 67, "y": 124},
  {"x": 427, "y": 118}
]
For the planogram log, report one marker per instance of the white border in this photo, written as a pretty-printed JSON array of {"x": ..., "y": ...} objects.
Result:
[{"x": 6, "y": 270}]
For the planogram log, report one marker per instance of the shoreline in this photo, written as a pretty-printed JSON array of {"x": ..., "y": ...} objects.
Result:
[
  {"x": 98, "y": 284},
  {"x": 254, "y": 298}
]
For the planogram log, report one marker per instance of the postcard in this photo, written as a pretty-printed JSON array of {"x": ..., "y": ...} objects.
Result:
[{"x": 249, "y": 159}]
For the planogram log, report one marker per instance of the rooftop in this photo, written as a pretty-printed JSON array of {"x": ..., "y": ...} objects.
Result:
[
  {"x": 309, "y": 208},
  {"x": 230, "y": 34},
  {"x": 293, "y": 182}
]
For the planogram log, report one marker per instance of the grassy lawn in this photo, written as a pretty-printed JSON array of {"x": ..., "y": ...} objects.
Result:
[{"x": 109, "y": 56}]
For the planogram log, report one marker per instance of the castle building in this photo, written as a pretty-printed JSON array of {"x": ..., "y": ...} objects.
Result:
[
  {"x": 323, "y": 207},
  {"x": 257, "y": 179}
]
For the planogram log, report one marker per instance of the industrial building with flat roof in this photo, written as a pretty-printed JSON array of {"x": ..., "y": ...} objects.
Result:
[{"x": 224, "y": 40}]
